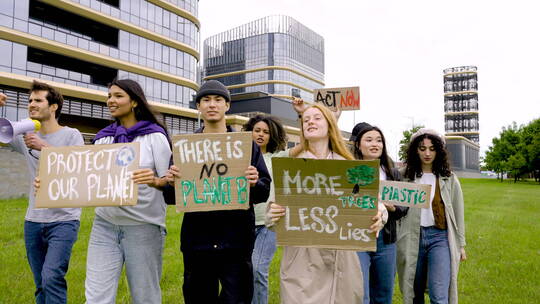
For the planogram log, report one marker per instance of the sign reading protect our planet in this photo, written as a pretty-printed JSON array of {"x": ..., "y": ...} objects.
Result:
[
  {"x": 405, "y": 194},
  {"x": 81, "y": 176},
  {"x": 346, "y": 99},
  {"x": 328, "y": 203},
  {"x": 213, "y": 171}
]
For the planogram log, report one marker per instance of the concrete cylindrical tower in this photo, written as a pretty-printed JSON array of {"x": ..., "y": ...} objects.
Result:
[{"x": 461, "y": 102}]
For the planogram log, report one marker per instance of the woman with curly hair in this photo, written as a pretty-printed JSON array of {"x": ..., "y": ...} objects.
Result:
[
  {"x": 269, "y": 135},
  {"x": 431, "y": 241}
]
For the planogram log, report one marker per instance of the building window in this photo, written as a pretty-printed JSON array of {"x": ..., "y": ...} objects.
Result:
[
  {"x": 62, "y": 20},
  {"x": 77, "y": 70}
]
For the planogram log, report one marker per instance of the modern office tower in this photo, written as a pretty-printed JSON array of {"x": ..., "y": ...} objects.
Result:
[
  {"x": 461, "y": 102},
  {"x": 276, "y": 55},
  {"x": 461, "y": 119},
  {"x": 79, "y": 46}
]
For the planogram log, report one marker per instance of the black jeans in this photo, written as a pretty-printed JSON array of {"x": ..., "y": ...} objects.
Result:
[{"x": 205, "y": 270}]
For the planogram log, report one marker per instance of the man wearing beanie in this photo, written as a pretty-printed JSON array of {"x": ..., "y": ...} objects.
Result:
[{"x": 217, "y": 245}]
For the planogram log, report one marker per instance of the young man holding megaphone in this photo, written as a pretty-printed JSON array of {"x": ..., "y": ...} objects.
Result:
[{"x": 49, "y": 233}]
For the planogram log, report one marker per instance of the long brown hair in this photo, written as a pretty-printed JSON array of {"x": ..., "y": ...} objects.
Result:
[
  {"x": 440, "y": 166},
  {"x": 143, "y": 110},
  {"x": 335, "y": 140}
]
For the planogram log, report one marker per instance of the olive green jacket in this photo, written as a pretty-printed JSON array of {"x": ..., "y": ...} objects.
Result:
[{"x": 408, "y": 236}]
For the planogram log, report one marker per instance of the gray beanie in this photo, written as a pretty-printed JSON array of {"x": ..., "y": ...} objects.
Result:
[{"x": 213, "y": 87}]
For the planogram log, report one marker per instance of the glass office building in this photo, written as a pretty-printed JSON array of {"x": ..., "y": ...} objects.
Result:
[
  {"x": 79, "y": 46},
  {"x": 276, "y": 55}
]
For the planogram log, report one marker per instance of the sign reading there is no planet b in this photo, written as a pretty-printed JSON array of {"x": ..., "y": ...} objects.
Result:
[
  {"x": 86, "y": 176},
  {"x": 213, "y": 171}
]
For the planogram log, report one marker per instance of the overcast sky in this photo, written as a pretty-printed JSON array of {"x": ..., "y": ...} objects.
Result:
[{"x": 396, "y": 51}]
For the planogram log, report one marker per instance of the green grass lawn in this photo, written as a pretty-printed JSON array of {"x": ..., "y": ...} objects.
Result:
[{"x": 503, "y": 237}]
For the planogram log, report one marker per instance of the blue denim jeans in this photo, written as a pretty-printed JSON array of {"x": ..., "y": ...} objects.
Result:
[
  {"x": 433, "y": 266},
  {"x": 263, "y": 252},
  {"x": 48, "y": 248},
  {"x": 139, "y": 247},
  {"x": 378, "y": 269}
]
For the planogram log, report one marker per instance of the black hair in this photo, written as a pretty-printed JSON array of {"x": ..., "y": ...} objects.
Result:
[
  {"x": 440, "y": 166},
  {"x": 278, "y": 136},
  {"x": 386, "y": 162},
  {"x": 143, "y": 110},
  {"x": 53, "y": 96}
]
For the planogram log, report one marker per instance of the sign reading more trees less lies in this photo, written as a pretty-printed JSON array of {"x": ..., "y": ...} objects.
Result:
[
  {"x": 328, "y": 203},
  {"x": 346, "y": 99},
  {"x": 213, "y": 171},
  {"x": 93, "y": 175}
]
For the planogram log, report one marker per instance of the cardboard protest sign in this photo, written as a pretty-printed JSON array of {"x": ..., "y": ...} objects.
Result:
[
  {"x": 82, "y": 176},
  {"x": 328, "y": 203},
  {"x": 344, "y": 98},
  {"x": 213, "y": 171},
  {"x": 405, "y": 194}
]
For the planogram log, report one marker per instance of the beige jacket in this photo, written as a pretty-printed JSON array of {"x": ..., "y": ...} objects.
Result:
[
  {"x": 315, "y": 276},
  {"x": 408, "y": 235}
]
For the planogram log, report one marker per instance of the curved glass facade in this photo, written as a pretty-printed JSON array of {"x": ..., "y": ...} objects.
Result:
[
  {"x": 270, "y": 41},
  {"x": 54, "y": 22},
  {"x": 152, "y": 17}
]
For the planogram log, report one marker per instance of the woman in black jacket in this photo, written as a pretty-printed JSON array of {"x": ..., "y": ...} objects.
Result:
[{"x": 378, "y": 267}]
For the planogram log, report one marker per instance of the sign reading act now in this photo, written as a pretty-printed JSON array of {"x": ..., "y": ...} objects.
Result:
[{"x": 345, "y": 99}]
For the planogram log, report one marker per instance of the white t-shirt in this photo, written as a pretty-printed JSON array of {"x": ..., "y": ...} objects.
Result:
[
  {"x": 151, "y": 207},
  {"x": 426, "y": 214},
  {"x": 382, "y": 174}
]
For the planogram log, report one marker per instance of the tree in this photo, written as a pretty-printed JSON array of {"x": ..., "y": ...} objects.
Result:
[
  {"x": 506, "y": 154},
  {"x": 516, "y": 164},
  {"x": 494, "y": 159},
  {"x": 530, "y": 140},
  {"x": 404, "y": 143}
]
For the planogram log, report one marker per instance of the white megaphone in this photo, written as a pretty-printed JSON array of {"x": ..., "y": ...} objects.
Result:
[{"x": 8, "y": 129}]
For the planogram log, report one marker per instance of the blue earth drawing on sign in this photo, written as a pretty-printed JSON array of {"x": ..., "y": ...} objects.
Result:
[{"x": 125, "y": 156}]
